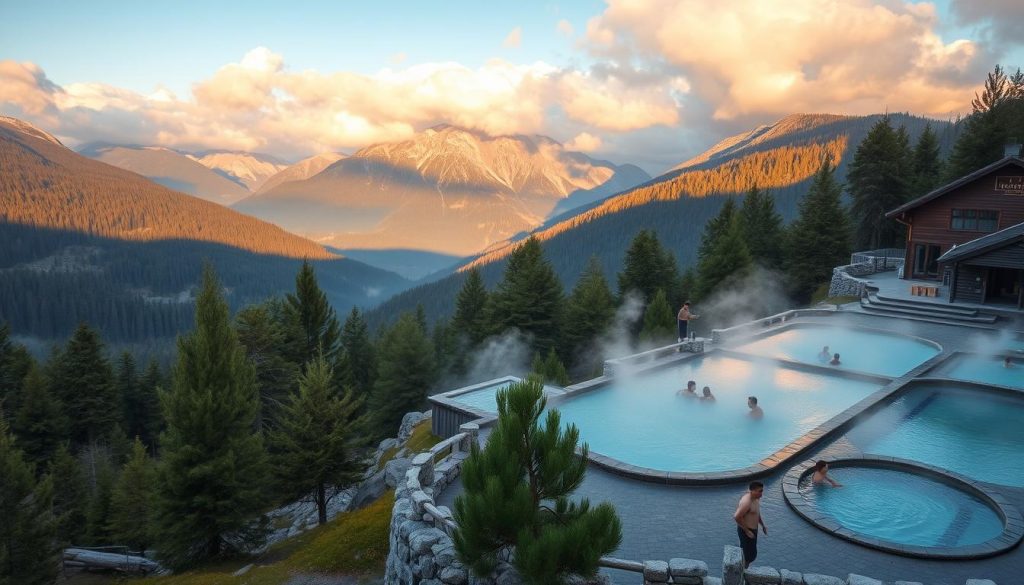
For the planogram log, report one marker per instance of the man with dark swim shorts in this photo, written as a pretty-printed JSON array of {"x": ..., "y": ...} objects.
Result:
[{"x": 748, "y": 517}]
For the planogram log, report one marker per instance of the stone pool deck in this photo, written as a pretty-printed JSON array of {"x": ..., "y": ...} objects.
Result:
[{"x": 667, "y": 521}]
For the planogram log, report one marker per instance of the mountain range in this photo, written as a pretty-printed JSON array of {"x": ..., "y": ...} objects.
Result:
[
  {"x": 447, "y": 190},
  {"x": 780, "y": 157},
  {"x": 220, "y": 176},
  {"x": 84, "y": 240}
]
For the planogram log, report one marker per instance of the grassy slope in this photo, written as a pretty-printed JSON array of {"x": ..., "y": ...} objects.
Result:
[{"x": 355, "y": 543}]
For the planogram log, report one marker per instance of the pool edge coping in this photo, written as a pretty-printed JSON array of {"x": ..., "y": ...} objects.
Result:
[{"x": 1010, "y": 537}]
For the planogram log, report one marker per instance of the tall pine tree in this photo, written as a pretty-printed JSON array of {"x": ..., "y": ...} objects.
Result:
[
  {"x": 405, "y": 374},
  {"x": 84, "y": 382},
  {"x": 317, "y": 440},
  {"x": 927, "y": 163},
  {"x": 819, "y": 239},
  {"x": 880, "y": 180},
  {"x": 470, "y": 320},
  {"x": 359, "y": 356},
  {"x": 148, "y": 416},
  {"x": 27, "y": 552},
  {"x": 589, "y": 311},
  {"x": 71, "y": 501},
  {"x": 716, "y": 227},
  {"x": 211, "y": 480},
  {"x": 648, "y": 266},
  {"x": 727, "y": 261},
  {"x": 529, "y": 298},
  {"x": 659, "y": 320},
  {"x": 39, "y": 424},
  {"x": 264, "y": 338},
  {"x": 317, "y": 324},
  {"x": 762, "y": 228},
  {"x": 131, "y": 504},
  {"x": 998, "y": 116}
]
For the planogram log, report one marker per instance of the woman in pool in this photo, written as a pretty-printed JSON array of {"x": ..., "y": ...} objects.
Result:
[
  {"x": 707, "y": 395},
  {"x": 824, "y": 355},
  {"x": 821, "y": 475},
  {"x": 1007, "y": 363}
]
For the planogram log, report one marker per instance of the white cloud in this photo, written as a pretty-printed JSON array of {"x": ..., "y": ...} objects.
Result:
[
  {"x": 514, "y": 38},
  {"x": 565, "y": 27},
  {"x": 584, "y": 142},
  {"x": 775, "y": 57}
]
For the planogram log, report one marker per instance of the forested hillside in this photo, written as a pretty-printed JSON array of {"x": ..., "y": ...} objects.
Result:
[
  {"x": 83, "y": 241},
  {"x": 781, "y": 158}
]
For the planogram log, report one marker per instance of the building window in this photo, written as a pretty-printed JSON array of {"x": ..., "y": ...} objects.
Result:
[{"x": 975, "y": 220}]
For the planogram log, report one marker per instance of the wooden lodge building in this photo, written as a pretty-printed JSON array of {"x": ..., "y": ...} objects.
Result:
[{"x": 969, "y": 234}]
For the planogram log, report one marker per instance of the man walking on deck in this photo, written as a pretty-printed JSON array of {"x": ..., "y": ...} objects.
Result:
[{"x": 748, "y": 517}]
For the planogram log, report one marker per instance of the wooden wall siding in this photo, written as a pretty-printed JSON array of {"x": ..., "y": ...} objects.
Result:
[
  {"x": 930, "y": 223},
  {"x": 1010, "y": 256},
  {"x": 965, "y": 288}
]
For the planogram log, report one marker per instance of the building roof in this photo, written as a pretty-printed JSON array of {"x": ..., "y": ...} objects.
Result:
[
  {"x": 983, "y": 244},
  {"x": 1003, "y": 162}
]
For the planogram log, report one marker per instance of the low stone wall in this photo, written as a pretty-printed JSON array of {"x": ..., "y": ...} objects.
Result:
[{"x": 846, "y": 279}]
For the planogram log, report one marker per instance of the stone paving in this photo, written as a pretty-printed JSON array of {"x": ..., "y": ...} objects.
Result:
[{"x": 662, "y": 522}]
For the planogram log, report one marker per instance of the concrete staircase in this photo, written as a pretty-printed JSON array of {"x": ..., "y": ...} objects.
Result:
[{"x": 933, "y": 311}]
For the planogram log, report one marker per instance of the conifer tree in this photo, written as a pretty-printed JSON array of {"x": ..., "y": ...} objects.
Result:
[
  {"x": 688, "y": 283},
  {"x": 71, "y": 501},
  {"x": 264, "y": 338},
  {"x": 590, "y": 309},
  {"x": 659, "y": 320},
  {"x": 727, "y": 261},
  {"x": 149, "y": 418},
  {"x": 998, "y": 116},
  {"x": 529, "y": 298},
  {"x": 126, "y": 382},
  {"x": 927, "y": 163},
  {"x": 131, "y": 511},
  {"x": 317, "y": 439},
  {"x": 517, "y": 497},
  {"x": 97, "y": 514},
  {"x": 819, "y": 239},
  {"x": 27, "y": 553},
  {"x": 405, "y": 374},
  {"x": 359, "y": 356},
  {"x": 879, "y": 181},
  {"x": 445, "y": 348},
  {"x": 213, "y": 464},
  {"x": 716, "y": 227},
  {"x": 647, "y": 267},
  {"x": 550, "y": 369},
  {"x": 85, "y": 384},
  {"x": 10, "y": 379},
  {"x": 39, "y": 424},
  {"x": 470, "y": 320},
  {"x": 317, "y": 323},
  {"x": 762, "y": 228}
]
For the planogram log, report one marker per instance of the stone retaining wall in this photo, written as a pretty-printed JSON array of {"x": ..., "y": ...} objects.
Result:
[{"x": 846, "y": 279}]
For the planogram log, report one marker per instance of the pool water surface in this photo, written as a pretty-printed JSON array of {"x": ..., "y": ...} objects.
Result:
[
  {"x": 904, "y": 508},
  {"x": 860, "y": 350},
  {"x": 971, "y": 432},
  {"x": 644, "y": 421},
  {"x": 986, "y": 369}
]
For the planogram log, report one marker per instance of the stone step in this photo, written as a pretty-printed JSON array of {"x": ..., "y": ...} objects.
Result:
[
  {"x": 943, "y": 308},
  {"x": 867, "y": 305}
]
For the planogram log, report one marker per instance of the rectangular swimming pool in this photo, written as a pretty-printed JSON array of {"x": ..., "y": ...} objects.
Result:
[
  {"x": 985, "y": 369},
  {"x": 860, "y": 350},
  {"x": 972, "y": 432},
  {"x": 643, "y": 421}
]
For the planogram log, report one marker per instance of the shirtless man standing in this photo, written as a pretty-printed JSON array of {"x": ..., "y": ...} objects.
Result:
[{"x": 748, "y": 517}]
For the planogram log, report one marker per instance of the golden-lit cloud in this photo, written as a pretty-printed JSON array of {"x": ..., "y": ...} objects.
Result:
[
  {"x": 776, "y": 57},
  {"x": 584, "y": 142},
  {"x": 260, "y": 104}
]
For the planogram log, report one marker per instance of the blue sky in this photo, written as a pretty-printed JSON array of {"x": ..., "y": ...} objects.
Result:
[{"x": 646, "y": 81}]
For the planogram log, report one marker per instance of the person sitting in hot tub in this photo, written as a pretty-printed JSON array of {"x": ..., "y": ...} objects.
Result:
[
  {"x": 821, "y": 475},
  {"x": 690, "y": 391},
  {"x": 1007, "y": 363},
  {"x": 835, "y": 360},
  {"x": 824, "y": 355},
  {"x": 707, "y": 396}
]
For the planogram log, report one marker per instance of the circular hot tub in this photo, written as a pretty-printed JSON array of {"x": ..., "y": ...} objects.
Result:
[{"x": 906, "y": 508}]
